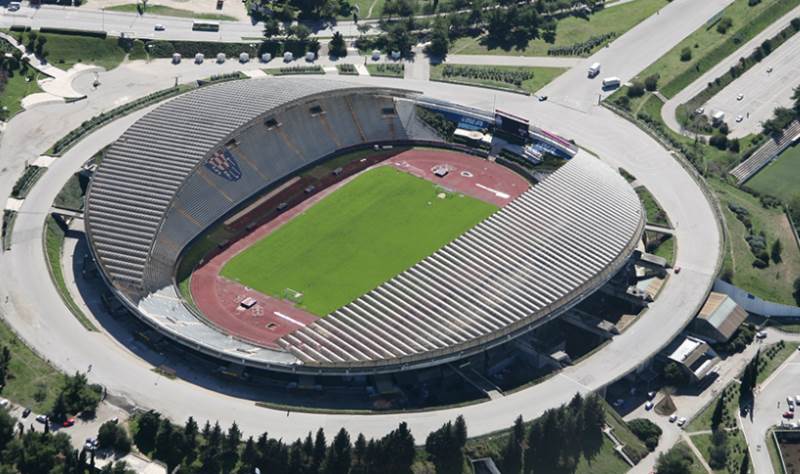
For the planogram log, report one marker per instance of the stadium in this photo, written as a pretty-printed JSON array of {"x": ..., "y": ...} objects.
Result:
[{"x": 309, "y": 226}]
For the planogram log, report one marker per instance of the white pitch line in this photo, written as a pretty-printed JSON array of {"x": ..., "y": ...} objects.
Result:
[
  {"x": 291, "y": 320},
  {"x": 497, "y": 193}
]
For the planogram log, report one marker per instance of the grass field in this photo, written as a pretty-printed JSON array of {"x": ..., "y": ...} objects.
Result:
[
  {"x": 708, "y": 47},
  {"x": 571, "y": 30},
  {"x": 655, "y": 214},
  {"x": 14, "y": 90},
  {"x": 366, "y": 232},
  {"x": 32, "y": 381},
  {"x": 64, "y": 51},
  {"x": 169, "y": 11},
  {"x": 702, "y": 421},
  {"x": 736, "y": 449},
  {"x": 776, "y": 360},
  {"x": 780, "y": 178},
  {"x": 541, "y": 77},
  {"x": 773, "y": 283},
  {"x": 666, "y": 250}
]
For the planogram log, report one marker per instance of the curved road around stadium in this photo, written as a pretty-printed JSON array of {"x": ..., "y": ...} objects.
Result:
[{"x": 35, "y": 310}]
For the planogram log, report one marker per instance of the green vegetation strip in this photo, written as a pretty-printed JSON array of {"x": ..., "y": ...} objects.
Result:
[
  {"x": 347, "y": 69},
  {"x": 572, "y": 32},
  {"x": 707, "y": 46},
  {"x": 292, "y": 70},
  {"x": 774, "y": 452},
  {"x": 25, "y": 183},
  {"x": 54, "y": 246},
  {"x": 328, "y": 253},
  {"x": 655, "y": 214},
  {"x": 8, "y": 227},
  {"x": 386, "y": 70},
  {"x": 32, "y": 380},
  {"x": 779, "y": 353},
  {"x": 514, "y": 78},
  {"x": 169, "y": 11}
]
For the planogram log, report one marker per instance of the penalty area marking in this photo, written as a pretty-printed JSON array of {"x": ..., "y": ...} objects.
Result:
[{"x": 497, "y": 193}]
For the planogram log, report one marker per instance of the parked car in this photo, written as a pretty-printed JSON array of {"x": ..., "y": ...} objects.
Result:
[
  {"x": 159, "y": 27},
  {"x": 542, "y": 98},
  {"x": 648, "y": 405},
  {"x": 797, "y": 400},
  {"x": 681, "y": 421},
  {"x": 740, "y": 97},
  {"x": 3, "y": 403},
  {"x": 68, "y": 422},
  {"x": 14, "y": 6},
  {"x": 788, "y": 415},
  {"x": 26, "y": 412},
  {"x": 790, "y": 400},
  {"x": 700, "y": 111},
  {"x": 739, "y": 118},
  {"x": 761, "y": 334},
  {"x": 41, "y": 418},
  {"x": 672, "y": 418},
  {"x": 769, "y": 70}
]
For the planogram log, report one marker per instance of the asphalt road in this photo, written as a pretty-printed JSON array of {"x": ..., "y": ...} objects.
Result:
[
  {"x": 36, "y": 311},
  {"x": 763, "y": 92}
]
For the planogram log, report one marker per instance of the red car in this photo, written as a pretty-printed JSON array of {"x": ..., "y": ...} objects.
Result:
[
  {"x": 69, "y": 422},
  {"x": 788, "y": 414}
]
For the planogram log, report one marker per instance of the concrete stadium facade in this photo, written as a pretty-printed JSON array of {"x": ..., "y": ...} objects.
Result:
[{"x": 201, "y": 157}]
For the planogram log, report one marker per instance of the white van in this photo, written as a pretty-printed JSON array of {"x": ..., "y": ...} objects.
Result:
[
  {"x": 611, "y": 82},
  {"x": 14, "y": 6},
  {"x": 594, "y": 70}
]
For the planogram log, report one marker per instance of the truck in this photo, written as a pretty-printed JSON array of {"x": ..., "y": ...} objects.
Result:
[
  {"x": 611, "y": 82},
  {"x": 594, "y": 70}
]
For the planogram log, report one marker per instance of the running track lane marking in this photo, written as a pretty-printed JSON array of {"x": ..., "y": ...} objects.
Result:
[
  {"x": 497, "y": 193},
  {"x": 287, "y": 318}
]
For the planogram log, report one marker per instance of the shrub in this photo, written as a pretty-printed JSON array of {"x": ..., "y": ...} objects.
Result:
[
  {"x": 113, "y": 436},
  {"x": 647, "y": 431},
  {"x": 636, "y": 89},
  {"x": 719, "y": 141},
  {"x": 512, "y": 77},
  {"x": 686, "y": 54},
  {"x": 724, "y": 25},
  {"x": 651, "y": 82}
]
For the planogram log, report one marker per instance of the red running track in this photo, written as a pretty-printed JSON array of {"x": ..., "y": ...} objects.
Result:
[{"x": 219, "y": 298}]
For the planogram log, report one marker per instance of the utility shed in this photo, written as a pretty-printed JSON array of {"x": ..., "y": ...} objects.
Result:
[{"x": 719, "y": 318}]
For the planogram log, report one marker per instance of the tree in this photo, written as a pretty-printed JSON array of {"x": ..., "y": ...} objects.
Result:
[
  {"x": 636, "y": 89},
  {"x": 445, "y": 450},
  {"x": 319, "y": 450},
  {"x": 440, "y": 39},
  {"x": 777, "y": 248},
  {"x": 674, "y": 375},
  {"x": 744, "y": 467},
  {"x": 76, "y": 396},
  {"x": 6, "y": 428},
  {"x": 512, "y": 453},
  {"x": 113, "y": 436},
  {"x": 677, "y": 460},
  {"x": 719, "y": 411},
  {"x": 300, "y": 31},
  {"x": 359, "y": 461},
  {"x": 5, "y": 361},
  {"x": 796, "y": 292},
  {"x": 271, "y": 27},
  {"x": 339, "y": 457},
  {"x": 686, "y": 54},
  {"x": 651, "y": 82},
  {"x": 718, "y": 453},
  {"x": 337, "y": 46},
  {"x": 147, "y": 428}
]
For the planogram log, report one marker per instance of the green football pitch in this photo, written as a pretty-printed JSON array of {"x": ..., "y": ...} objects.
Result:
[{"x": 364, "y": 233}]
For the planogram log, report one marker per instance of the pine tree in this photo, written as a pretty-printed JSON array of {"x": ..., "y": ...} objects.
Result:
[
  {"x": 716, "y": 417},
  {"x": 744, "y": 468},
  {"x": 339, "y": 457},
  {"x": 512, "y": 453},
  {"x": 320, "y": 448}
]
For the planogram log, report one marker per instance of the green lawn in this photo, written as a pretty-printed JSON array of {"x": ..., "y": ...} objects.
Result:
[
  {"x": 364, "y": 6},
  {"x": 64, "y": 51},
  {"x": 773, "y": 283},
  {"x": 14, "y": 90},
  {"x": 361, "y": 235},
  {"x": 772, "y": 363},
  {"x": 169, "y": 11},
  {"x": 541, "y": 76},
  {"x": 708, "y": 47},
  {"x": 736, "y": 449},
  {"x": 571, "y": 30},
  {"x": 780, "y": 178},
  {"x": 666, "y": 250},
  {"x": 702, "y": 421},
  {"x": 655, "y": 214},
  {"x": 32, "y": 381}
]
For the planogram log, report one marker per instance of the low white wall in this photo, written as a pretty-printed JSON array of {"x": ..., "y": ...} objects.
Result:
[{"x": 754, "y": 304}]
